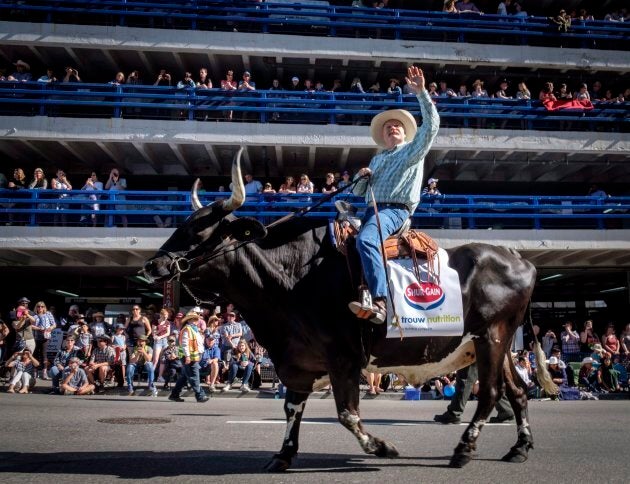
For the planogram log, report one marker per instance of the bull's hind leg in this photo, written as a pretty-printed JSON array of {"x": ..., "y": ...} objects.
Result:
[
  {"x": 489, "y": 366},
  {"x": 346, "y": 392},
  {"x": 516, "y": 391},
  {"x": 294, "y": 404}
]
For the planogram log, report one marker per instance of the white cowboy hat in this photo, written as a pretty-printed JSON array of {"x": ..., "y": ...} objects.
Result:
[
  {"x": 401, "y": 115},
  {"x": 587, "y": 360}
]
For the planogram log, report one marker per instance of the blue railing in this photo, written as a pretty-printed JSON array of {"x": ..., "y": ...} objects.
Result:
[
  {"x": 169, "y": 208},
  {"x": 323, "y": 19},
  {"x": 106, "y": 101}
]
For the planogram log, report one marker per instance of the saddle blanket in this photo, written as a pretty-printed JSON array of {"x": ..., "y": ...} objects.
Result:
[{"x": 431, "y": 306}]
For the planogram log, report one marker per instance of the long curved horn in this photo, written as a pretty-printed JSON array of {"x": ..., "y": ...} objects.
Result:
[
  {"x": 237, "y": 199},
  {"x": 194, "y": 197}
]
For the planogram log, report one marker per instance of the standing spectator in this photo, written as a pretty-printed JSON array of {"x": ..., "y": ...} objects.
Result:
[
  {"x": 463, "y": 91},
  {"x": 252, "y": 186},
  {"x": 171, "y": 362},
  {"x": 141, "y": 356},
  {"x": 163, "y": 79},
  {"x": 330, "y": 185},
  {"x": 39, "y": 183},
  {"x": 117, "y": 184},
  {"x": 275, "y": 86},
  {"x": 49, "y": 77},
  {"x": 610, "y": 342},
  {"x": 186, "y": 82},
  {"x": 502, "y": 9},
  {"x": 84, "y": 338},
  {"x": 72, "y": 75},
  {"x": 204, "y": 81},
  {"x": 295, "y": 84},
  {"x": 394, "y": 87},
  {"x": 546, "y": 93},
  {"x": 502, "y": 93},
  {"x": 268, "y": 188},
  {"x": 62, "y": 184},
  {"x": 134, "y": 78},
  {"x": 101, "y": 361},
  {"x": 161, "y": 332},
  {"x": 288, "y": 186},
  {"x": 43, "y": 328},
  {"x": 549, "y": 340},
  {"x": 305, "y": 185},
  {"x": 92, "y": 184},
  {"x": 22, "y": 324},
  {"x": 449, "y": 6},
  {"x": 21, "y": 73},
  {"x": 467, "y": 6},
  {"x": 231, "y": 333},
  {"x": 61, "y": 361},
  {"x": 229, "y": 84},
  {"x": 119, "y": 79},
  {"x": 478, "y": 90},
  {"x": 562, "y": 21},
  {"x": 570, "y": 341},
  {"x": 246, "y": 84},
  {"x": 446, "y": 91},
  {"x": 356, "y": 88},
  {"x": 588, "y": 338},
  {"x": 24, "y": 365},
  {"x": 243, "y": 360},
  {"x": 137, "y": 325},
  {"x": 210, "y": 361},
  {"x": 337, "y": 87},
  {"x": 431, "y": 190},
  {"x": 345, "y": 180},
  {"x": 432, "y": 90},
  {"x": 75, "y": 381},
  {"x": 191, "y": 344}
]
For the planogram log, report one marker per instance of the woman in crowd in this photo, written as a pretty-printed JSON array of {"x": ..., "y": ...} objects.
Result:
[
  {"x": 305, "y": 185},
  {"x": 523, "y": 92},
  {"x": 42, "y": 330},
  {"x": 161, "y": 332},
  {"x": 115, "y": 183},
  {"x": 119, "y": 343},
  {"x": 39, "y": 180},
  {"x": 610, "y": 342},
  {"x": 433, "y": 90},
  {"x": 394, "y": 87},
  {"x": 242, "y": 359},
  {"x": 588, "y": 375},
  {"x": 588, "y": 338},
  {"x": 546, "y": 93},
  {"x": 229, "y": 84},
  {"x": 98, "y": 326},
  {"x": 137, "y": 325},
  {"x": 625, "y": 342},
  {"x": 24, "y": 365},
  {"x": 119, "y": 79},
  {"x": 607, "y": 377},
  {"x": 61, "y": 183},
  {"x": 288, "y": 186},
  {"x": 18, "y": 182},
  {"x": 449, "y": 6},
  {"x": 84, "y": 339},
  {"x": 92, "y": 184}
]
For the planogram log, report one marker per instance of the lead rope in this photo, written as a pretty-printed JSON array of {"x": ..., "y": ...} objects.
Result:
[{"x": 395, "y": 318}]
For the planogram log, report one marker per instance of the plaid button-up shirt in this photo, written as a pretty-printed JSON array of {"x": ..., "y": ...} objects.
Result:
[
  {"x": 105, "y": 355},
  {"x": 397, "y": 173}
]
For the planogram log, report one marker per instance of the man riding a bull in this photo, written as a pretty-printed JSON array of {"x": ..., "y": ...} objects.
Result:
[{"x": 395, "y": 176}]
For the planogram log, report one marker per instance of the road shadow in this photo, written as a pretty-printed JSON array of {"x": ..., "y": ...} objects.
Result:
[{"x": 146, "y": 465}]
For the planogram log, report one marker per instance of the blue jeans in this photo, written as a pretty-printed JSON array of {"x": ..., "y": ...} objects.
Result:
[
  {"x": 131, "y": 371},
  {"x": 369, "y": 245},
  {"x": 55, "y": 375},
  {"x": 190, "y": 374},
  {"x": 247, "y": 372}
]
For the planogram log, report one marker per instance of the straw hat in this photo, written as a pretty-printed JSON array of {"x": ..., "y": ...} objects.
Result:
[
  {"x": 191, "y": 315},
  {"x": 400, "y": 115},
  {"x": 23, "y": 64}
]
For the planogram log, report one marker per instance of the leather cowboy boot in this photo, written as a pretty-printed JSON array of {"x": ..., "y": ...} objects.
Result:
[{"x": 376, "y": 313}]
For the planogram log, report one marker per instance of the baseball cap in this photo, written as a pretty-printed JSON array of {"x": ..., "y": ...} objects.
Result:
[
  {"x": 433, "y": 180},
  {"x": 246, "y": 73},
  {"x": 295, "y": 78}
]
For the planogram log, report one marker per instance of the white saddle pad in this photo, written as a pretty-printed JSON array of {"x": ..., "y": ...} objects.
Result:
[{"x": 429, "y": 307}]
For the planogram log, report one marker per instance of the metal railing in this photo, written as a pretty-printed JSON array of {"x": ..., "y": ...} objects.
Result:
[
  {"x": 313, "y": 19},
  {"x": 170, "y": 208},
  {"x": 151, "y": 102}
]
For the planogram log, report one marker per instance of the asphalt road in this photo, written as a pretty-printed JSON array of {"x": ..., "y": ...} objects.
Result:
[{"x": 60, "y": 439}]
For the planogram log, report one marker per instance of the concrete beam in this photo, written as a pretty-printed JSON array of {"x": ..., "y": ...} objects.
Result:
[
  {"x": 279, "y": 158},
  {"x": 147, "y": 67},
  {"x": 41, "y": 153},
  {"x": 343, "y": 159},
  {"x": 74, "y": 152},
  {"x": 78, "y": 63},
  {"x": 214, "y": 159},
  {"x": 177, "y": 151},
  {"x": 311, "y": 159},
  {"x": 146, "y": 156}
]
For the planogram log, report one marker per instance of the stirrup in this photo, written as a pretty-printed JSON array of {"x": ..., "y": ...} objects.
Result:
[
  {"x": 347, "y": 213},
  {"x": 375, "y": 314}
]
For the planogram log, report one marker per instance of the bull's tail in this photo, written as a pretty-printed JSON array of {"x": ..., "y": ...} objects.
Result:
[{"x": 544, "y": 378}]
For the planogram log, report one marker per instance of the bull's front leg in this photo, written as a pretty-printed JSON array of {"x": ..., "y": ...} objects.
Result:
[
  {"x": 346, "y": 392},
  {"x": 294, "y": 404}
]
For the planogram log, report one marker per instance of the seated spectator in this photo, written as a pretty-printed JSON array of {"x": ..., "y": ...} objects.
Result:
[
  {"x": 439, "y": 383},
  {"x": 607, "y": 376},
  {"x": 141, "y": 356},
  {"x": 525, "y": 372},
  {"x": 61, "y": 361},
  {"x": 546, "y": 93},
  {"x": 119, "y": 79},
  {"x": 463, "y": 91},
  {"x": 163, "y": 79},
  {"x": 171, "y": 361},
  {"x": 305, "y": 185},
  {"x": 568, "y": 369},
  {"x": 394, "y": 87},
  {"x": 625, "y": 342},
  {"x": 242, "y": 361},
  {"x": 72, "y": 75},
  {"x": 48, "y": 77},
  {"x": 449, "y": 6},
  {"x": 445, "y": 91},
  {"x": 210, "y": 361},
  {"x": 467, "y": 6},
  {"x": 478, "y": 90},
  {"x": 84, "y": 339},
  {"x": 583, "y": 94},
  {"x": 610, "y": 342},
  {"x": 186, "y": 82},
  {"x": 588, "y": 375},
  {"x": 502, "y": 93},
  {"x": 119, "y": 344},
  {"x": 24, "y": 367},
  {"x": 523, "y": 92},
  {"x": 433, "y": 90},
  {"x": 330, "y": 185},
  {"x": 101, "y": 361},
  {"x": 98, "y": 326},
  {"x": 204, "y": 81},
  {"x": 564, "y": 92},
  {"x": 562, "y": 21},
  {"x": 75, "y": 381},
  {"x": 21, "y": 73},
  {"x": 557, "y": 373}
]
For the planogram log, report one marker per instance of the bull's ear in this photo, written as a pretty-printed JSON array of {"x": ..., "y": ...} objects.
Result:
[{"x": 245, "y": 229}]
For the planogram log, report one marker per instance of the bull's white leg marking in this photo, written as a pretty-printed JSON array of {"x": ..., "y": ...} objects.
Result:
[
  {"x": 462, "y": 356},
  {"x": 470, "y": 436},
  {"x": 351, "y": 422},
  {"x": 524, "y": 428},
  {"x": 296, "y": 410},
  {"x": 320, "y": 383}
]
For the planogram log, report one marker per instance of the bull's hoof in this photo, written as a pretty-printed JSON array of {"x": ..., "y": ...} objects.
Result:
[
  {"x": 386, "y": 449},
  {"x": 277, "y": 465},
  {"x": 459, "y": 460},
  {"x": 515, "y": 456}
]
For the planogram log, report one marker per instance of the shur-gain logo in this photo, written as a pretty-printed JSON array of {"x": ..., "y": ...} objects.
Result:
[{"x": 424, "y": 295}]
